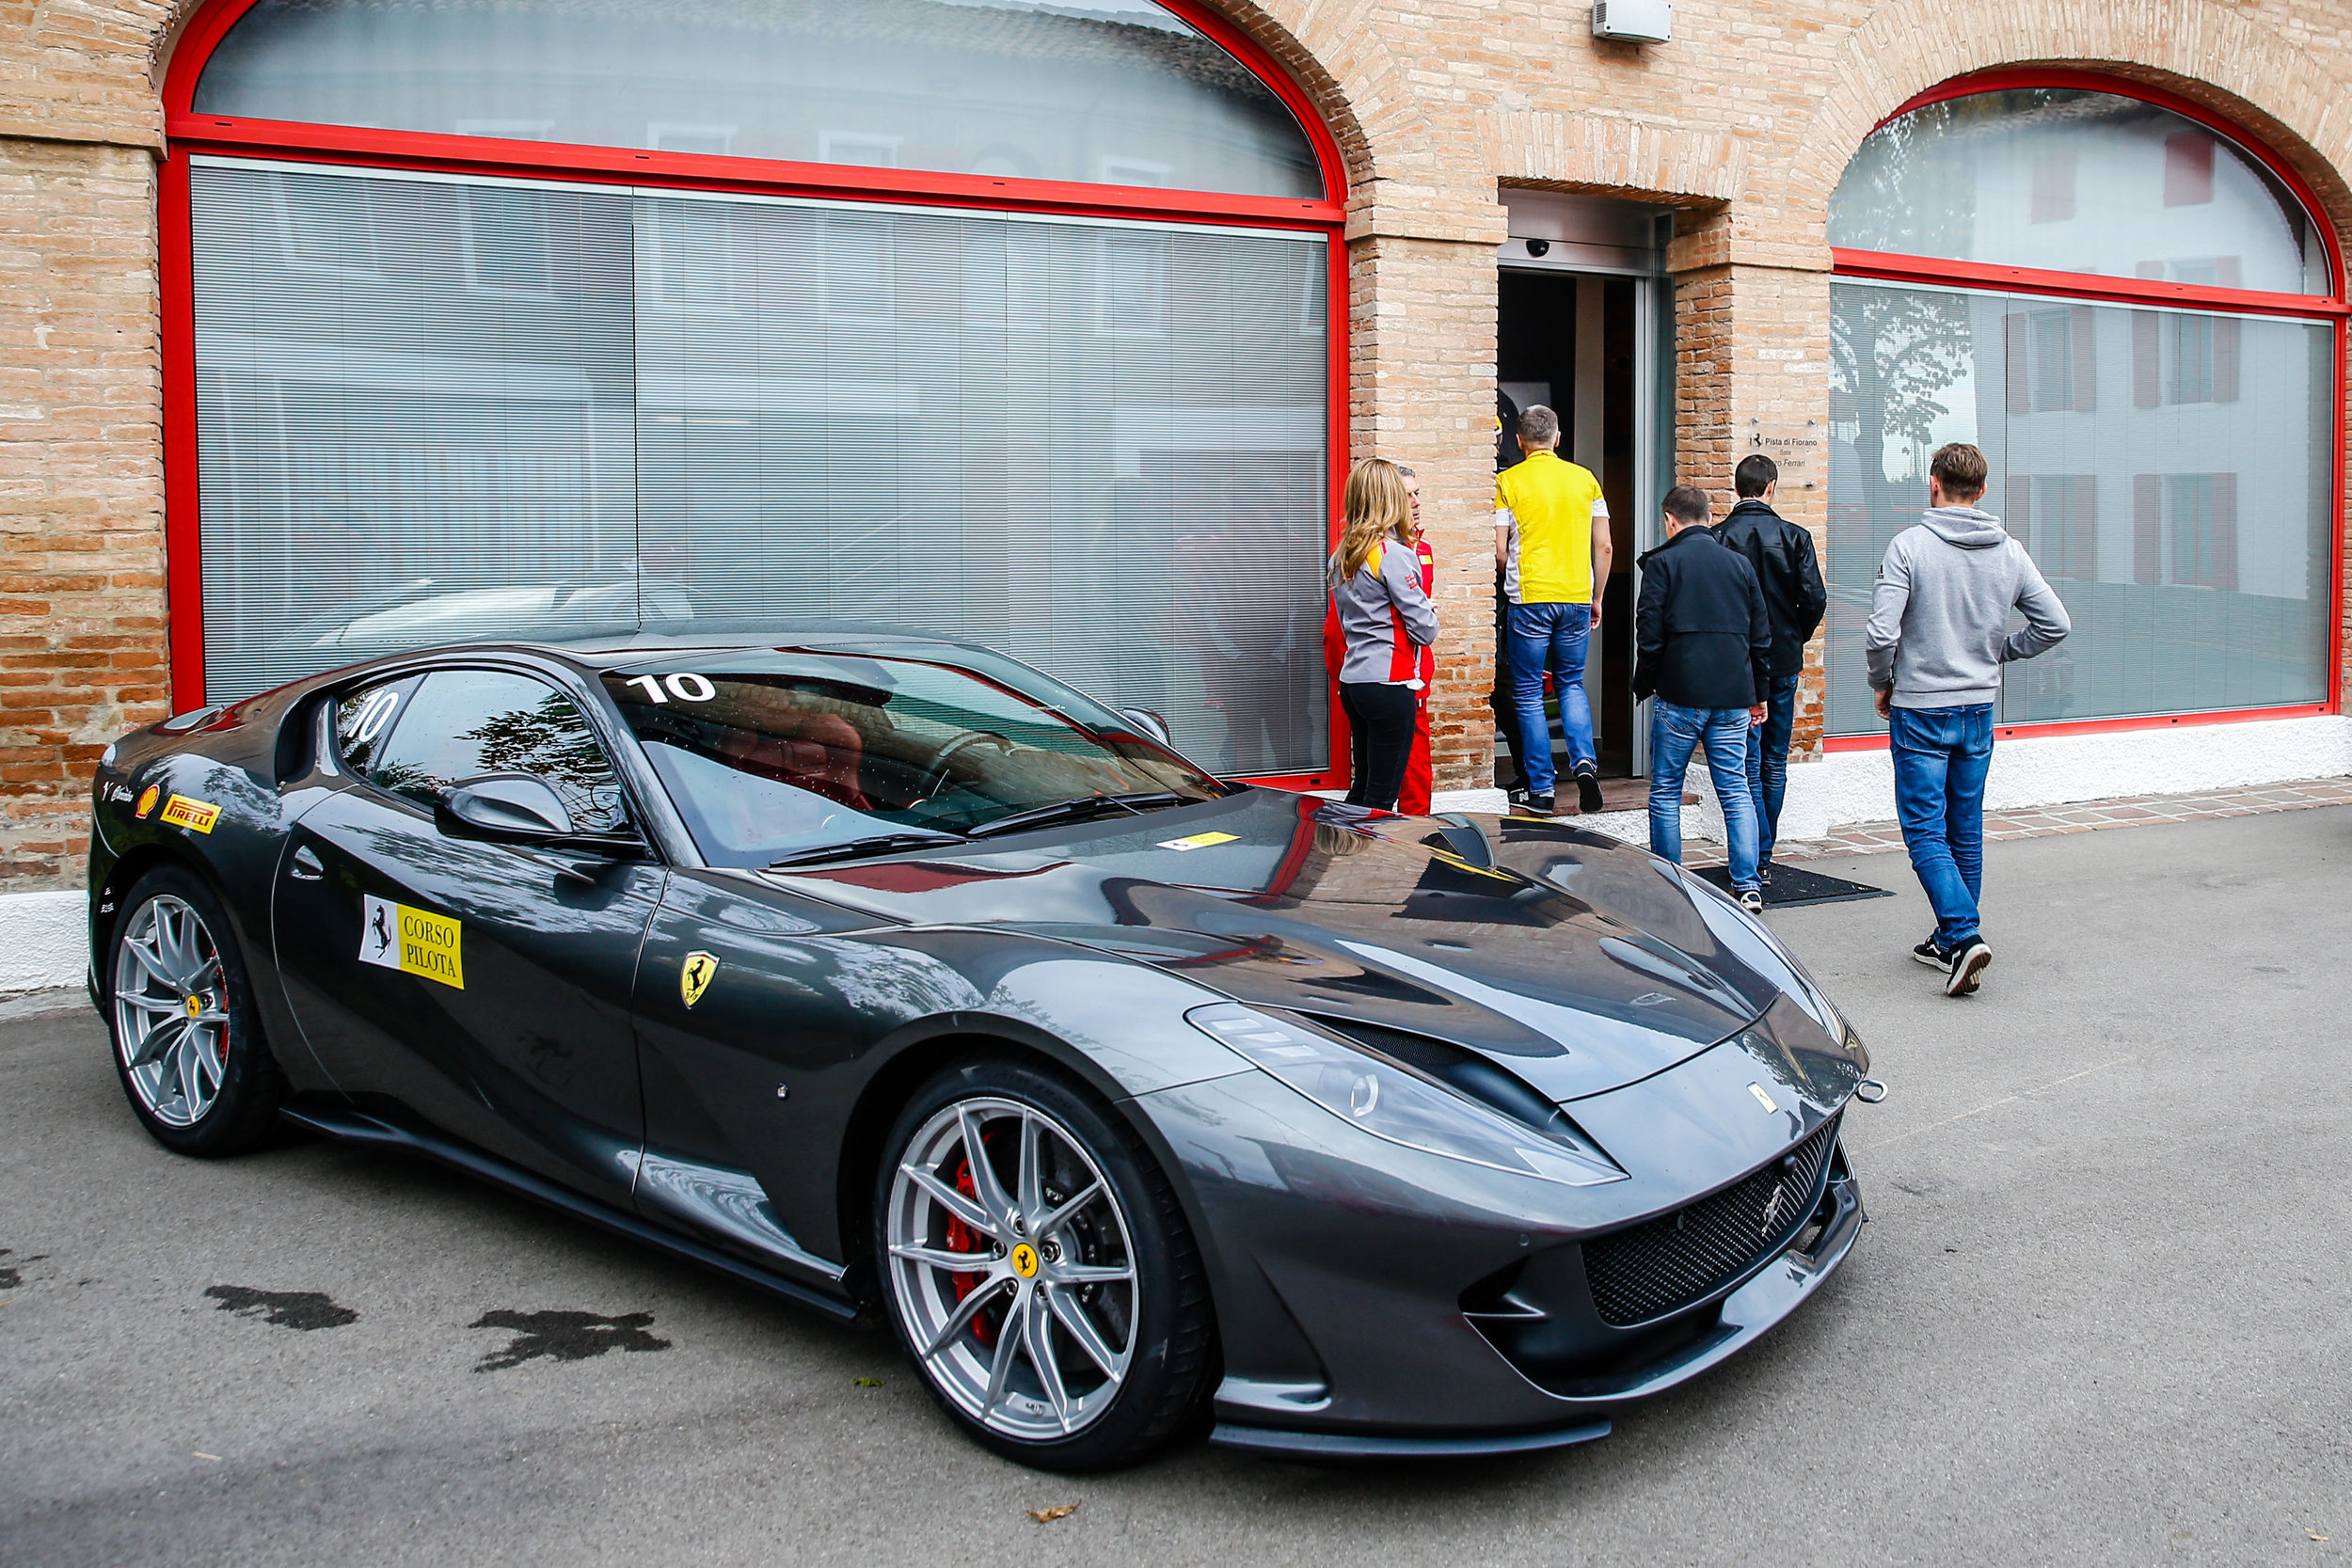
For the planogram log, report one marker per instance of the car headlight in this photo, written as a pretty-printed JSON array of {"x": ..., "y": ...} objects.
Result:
[{"x": 1392, "y": 1103}]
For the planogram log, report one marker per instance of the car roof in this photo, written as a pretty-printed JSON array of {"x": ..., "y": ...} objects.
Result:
[{"x": 613, "y": 650}]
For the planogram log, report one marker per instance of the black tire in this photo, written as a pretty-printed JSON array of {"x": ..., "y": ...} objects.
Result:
[
  {"x": 242, "y": 1112},
  {"x": 1172, "y": 1353}
]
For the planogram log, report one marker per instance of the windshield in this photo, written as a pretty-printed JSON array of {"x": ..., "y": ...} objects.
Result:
[{"x": 769, "y": 752}]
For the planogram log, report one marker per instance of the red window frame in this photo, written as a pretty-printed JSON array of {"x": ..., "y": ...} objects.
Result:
[
  {"x": 2332, "y": 306},
  {"x": 187, "y": 132}
]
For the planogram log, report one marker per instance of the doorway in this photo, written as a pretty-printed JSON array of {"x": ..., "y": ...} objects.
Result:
[{"x": 1579, "y": 329}]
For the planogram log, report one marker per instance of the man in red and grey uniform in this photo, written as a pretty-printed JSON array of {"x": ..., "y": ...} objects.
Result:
[{"x": 1413, "y": 801}]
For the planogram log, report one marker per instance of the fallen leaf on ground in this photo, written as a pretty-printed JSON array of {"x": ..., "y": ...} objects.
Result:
[
  {"x": 2315, "y": 1535},
  {"x": 1047, "y": 1515},
  {"x": 865, "y": 1383}
]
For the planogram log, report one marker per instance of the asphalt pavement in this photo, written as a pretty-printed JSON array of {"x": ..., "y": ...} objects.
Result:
[{"x": 2101, "y": 1313}]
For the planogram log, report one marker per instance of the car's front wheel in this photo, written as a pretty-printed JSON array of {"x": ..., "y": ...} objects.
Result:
[
  {"x": 1037, "y": 1266},
  {"x": 187, "y": 1042}
]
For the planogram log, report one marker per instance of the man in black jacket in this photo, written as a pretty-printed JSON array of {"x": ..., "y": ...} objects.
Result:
[
  {"x": 1704, "y": 644},
  {"x": 1782, "y": 554}
]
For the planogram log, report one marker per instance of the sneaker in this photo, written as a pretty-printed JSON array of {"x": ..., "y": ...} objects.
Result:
[
  {"x": 1587, "y": 790},
  {"x": 1535, "y": 805},
  {"x": 1764, "y": 874},
  {"x": 1930, "y": 955},
  {"x": 1968, "y": 966},
  {"x": 1752, "y": 900}
]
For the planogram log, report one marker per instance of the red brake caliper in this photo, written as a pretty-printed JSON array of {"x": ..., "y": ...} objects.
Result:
[{"x": 962, "y": 1238}]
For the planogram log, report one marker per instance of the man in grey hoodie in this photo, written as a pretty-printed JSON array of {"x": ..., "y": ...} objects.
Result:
[{"x": 1936, "y": 644}]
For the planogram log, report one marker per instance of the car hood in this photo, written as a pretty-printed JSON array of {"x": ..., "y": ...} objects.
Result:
[{"x": 1577, "y": 962}]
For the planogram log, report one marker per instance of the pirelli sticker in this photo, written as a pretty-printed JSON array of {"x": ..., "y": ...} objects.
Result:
[
  {"x": 1198, "y": 841},
  {"x": 198, "y": 816},
  {"x": 415, "y": 941}
]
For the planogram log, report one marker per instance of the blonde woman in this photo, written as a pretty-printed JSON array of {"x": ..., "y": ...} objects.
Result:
[{"x": 1386, "y": 619}]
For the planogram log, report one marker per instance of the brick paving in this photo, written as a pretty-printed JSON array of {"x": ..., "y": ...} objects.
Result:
[{"x": 2083, "y": 816}]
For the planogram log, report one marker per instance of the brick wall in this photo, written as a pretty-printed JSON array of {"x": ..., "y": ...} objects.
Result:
[
  {"x": 81, "y": 487},
  {"x": 1745, "y": 121}
]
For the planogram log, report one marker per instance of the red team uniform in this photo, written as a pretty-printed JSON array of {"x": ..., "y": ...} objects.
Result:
[{"x": 1413, "y": 800}]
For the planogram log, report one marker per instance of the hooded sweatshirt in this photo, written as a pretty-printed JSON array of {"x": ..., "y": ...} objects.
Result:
[{"x": 1939, "y": 616}]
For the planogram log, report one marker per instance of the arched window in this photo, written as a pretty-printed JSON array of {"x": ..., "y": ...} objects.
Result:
[
  {"x": 1006, "y": 320},
  {"x": 1121, "y": 92},
  {"x": 2135, "y": 314}
]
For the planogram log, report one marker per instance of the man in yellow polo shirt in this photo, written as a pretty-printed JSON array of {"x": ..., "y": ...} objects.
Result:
[{"x": 1551, "y": 554}]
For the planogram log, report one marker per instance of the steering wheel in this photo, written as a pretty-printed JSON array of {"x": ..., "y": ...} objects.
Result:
[{"x": 935, "y": 770}]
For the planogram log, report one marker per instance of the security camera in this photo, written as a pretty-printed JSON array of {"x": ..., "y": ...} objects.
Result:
[{"x": 1539, "y": 248}]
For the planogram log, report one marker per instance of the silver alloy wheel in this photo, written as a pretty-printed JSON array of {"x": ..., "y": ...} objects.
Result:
[
  {"x": 1012, "y": 1269},
  {"x": 171, "y": 1017}
]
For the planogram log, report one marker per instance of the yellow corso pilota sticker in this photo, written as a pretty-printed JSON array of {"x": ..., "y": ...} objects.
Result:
[
  {"x": 694, "y": 979},
  {"x": 415, "y": 941},
  {"x": 198, "y": 816}
]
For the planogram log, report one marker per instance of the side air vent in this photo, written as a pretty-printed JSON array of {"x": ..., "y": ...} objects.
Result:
[{"x": 1469, "y": 1074}]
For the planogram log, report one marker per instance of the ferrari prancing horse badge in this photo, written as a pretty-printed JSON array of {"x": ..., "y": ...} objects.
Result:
[{"x": 694, "y": 979}]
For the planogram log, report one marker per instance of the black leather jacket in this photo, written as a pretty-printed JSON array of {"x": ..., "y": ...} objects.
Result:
[
  {"x": 1701, "y": 634},
  {"x": 1782, "y": 554}
]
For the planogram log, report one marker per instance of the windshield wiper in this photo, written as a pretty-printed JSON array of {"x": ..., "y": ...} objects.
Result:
[
  {"x": 873, "y": 843},
  {"x": 1076, "y": 810}
]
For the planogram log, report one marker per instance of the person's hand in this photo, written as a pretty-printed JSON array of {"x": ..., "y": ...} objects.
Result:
[
  {"x": 1596, "y": 622},
  {"x": 1886, "y": 702},
  {"x": 1756, "y": 716}
]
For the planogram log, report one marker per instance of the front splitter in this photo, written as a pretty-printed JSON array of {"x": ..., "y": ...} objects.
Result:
[{"x": 1348, "y": 1445}]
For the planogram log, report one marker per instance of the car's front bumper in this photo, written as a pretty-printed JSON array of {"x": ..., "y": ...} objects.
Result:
[
  {"x": 1372, "y": 1300},
  {"x": 1742, "y": 1317}
]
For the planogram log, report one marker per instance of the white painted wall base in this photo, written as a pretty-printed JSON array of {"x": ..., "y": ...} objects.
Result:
[
  {"x": 43, "y": 942},
  {"x": 1489, "y": 802},
  {"x": 1845, "y": 787}
]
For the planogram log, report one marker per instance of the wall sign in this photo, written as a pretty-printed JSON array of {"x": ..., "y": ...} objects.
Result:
[{"x": 1796, "y": 447}]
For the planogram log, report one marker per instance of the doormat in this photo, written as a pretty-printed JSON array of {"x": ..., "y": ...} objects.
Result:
[{"x": 1793, "y": 889}]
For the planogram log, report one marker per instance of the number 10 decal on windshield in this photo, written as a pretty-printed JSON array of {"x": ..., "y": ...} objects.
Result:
[{"x": 685, "y": 687}]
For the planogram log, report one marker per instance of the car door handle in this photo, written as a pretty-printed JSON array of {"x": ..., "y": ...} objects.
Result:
[{"x": 306, "y": 865}]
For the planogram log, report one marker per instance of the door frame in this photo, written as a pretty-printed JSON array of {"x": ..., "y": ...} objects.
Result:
[{"x": 1653, "y": 390}]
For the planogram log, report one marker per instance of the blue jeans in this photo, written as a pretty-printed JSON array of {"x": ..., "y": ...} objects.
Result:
[
  {"x": 1942, "y": 756},
  {"x": 1768, "y": 762},
  {"x": 1553, "y": 634},
  {"x": 1674, "y": 733}
]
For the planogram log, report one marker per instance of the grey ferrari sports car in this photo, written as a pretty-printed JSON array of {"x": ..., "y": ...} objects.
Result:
[{"x": 889, "y": 976}]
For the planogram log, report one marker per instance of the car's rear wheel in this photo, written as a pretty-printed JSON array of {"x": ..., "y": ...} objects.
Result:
[
  {"x": 187, "y": 1044},
  {"x": 1037, "y": 1266}
]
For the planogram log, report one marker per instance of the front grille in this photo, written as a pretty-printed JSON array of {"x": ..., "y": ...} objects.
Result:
[{"x": 1677, "y": 1259}]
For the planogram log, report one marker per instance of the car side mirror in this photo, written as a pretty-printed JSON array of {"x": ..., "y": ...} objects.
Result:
[
  {"x": 1151, "y": 723},
  {"x": 515, "y": 808}
]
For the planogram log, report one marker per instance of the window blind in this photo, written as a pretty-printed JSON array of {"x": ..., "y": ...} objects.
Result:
[{"x": 433, "y": 409}]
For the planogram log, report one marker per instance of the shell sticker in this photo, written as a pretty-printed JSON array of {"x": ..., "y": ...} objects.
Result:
[
  {"x": 198, "y": 816},
  {"x": 694, "y": 979},
  {"x": 415, "y": 941},
  {"x": 148, "y": 798},
  {"x": 1198, "y": 841}
]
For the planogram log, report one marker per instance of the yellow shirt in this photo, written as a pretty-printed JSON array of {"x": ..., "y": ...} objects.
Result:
[{"x": 1548, "y": 505}]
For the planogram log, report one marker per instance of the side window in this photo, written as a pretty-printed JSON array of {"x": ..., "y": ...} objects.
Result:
[
  {"x": 463, "y": 723},
  {"x": 364, "y": 718}
]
